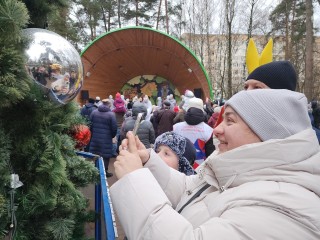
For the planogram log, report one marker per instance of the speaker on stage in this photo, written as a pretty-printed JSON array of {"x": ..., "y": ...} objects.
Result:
[
  {"x": 197, "y": 92},
  {"x": 84, "y": 94}
]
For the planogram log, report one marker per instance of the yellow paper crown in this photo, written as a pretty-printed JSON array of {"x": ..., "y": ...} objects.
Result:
[{"x": 253, "y": 59}]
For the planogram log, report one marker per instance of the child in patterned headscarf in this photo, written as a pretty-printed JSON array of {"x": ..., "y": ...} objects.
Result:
[{"x": 177, "y": 151}]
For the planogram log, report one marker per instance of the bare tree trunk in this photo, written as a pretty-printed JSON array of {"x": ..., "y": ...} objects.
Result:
[
  {"x": 252, "y": 4},
  {"x": 167, "y": 19},
  {"x": 194, "y": 25},
  {"x": 158, "y": 18},
  {"x": 209, "y": 51},
  {"x": 92, "y": 31},
  {"x": 229, "y": 17},
  {"x": 292, "y": 30},
  {"x": 104, "y": 19},
  {"x": 109, "y": 20},
  {"x": 119, "y": 13},
  {"x": 137, "y": 9},
  {"x": 309, "y": 51},
  {"x": 287, "y": 33},
  {"x": 181, "y": 18}
]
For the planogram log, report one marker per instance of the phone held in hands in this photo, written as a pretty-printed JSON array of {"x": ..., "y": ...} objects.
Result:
[{"x": 137, "y": 123}]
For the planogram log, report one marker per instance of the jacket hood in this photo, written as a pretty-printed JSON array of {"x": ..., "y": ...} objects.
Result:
[
  {"x": 103, "y": 108},
  {"x": 279, "y": 160},
  {"x": 89, "y": 105},
  {"x": 194, "y": 116},
  {"x": 118, "y": 101},
  {"x": 119, "y": 106},
  {"x": 138, "y": 108}
]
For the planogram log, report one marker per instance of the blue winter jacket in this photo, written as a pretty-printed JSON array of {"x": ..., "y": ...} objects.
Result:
[
  {"x": 87, "y": 110},
  {"x": 103, "y": 129}
]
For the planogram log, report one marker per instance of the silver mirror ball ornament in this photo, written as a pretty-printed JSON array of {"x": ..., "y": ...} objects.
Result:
[{"x": 54, "y": 64}]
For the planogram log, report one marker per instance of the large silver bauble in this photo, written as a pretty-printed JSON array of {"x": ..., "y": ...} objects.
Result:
[{"x": 54, "y": 64}]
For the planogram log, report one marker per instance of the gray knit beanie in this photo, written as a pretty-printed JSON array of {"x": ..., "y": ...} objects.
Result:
[{"x": 272, "y": 113}]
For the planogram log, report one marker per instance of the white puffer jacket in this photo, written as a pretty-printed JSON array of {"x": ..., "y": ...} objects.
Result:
[{"x": 266, "y": 190}]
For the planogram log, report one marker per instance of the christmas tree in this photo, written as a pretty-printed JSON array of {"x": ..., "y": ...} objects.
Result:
[{"x": 35, "y": 145}]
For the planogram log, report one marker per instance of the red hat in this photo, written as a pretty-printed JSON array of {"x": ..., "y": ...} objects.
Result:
[{"x": 118, "y": 95}]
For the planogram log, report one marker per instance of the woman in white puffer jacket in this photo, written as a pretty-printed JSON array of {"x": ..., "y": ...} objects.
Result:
[{"x": 263, "y": 183}]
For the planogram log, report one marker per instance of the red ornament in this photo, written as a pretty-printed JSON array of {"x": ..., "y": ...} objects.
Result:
[{"x": 81, "y": 134}]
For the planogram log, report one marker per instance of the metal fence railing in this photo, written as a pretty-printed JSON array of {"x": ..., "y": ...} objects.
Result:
[{"x": 103, "y": 206}]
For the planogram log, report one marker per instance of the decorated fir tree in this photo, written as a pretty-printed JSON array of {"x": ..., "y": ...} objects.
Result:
[{"x": 35, "y": 145}]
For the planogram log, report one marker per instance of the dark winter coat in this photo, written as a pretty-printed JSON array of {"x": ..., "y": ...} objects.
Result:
[
  {"x": 87, "y": 110},
  {"x": 103, "y": 129},
  {"x": 316, "y": 116},
  {"x": 164, "y": 120},
  {"x": 119, "y": 119},
  {"x": 314, "y": 128},
  {"x": 145, "y": 131}
]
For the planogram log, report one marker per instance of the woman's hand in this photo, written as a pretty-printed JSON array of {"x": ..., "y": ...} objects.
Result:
[
  {"x": 128, "y": 159},
  {"x": 143, "y": 152}
]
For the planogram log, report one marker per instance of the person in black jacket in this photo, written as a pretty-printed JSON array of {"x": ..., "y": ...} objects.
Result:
[
  {"x": 145, "y": 131},
  {"x": 87, "y": 109},
  {"x": 103, "y": 129},
  {"x": 316, "y": 113}
]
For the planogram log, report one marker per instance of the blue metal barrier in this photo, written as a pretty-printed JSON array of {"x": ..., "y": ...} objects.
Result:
[{"x": 102, "y": 193}]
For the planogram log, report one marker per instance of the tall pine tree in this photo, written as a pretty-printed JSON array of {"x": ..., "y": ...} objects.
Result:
[
  {"x": 35, "y": 144},
  {"x": 289, "y": 20}
]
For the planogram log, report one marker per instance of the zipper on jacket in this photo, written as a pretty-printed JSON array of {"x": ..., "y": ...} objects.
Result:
[
  {"x": 228, "y": 183},
  {"x": 201, "y": 190}
]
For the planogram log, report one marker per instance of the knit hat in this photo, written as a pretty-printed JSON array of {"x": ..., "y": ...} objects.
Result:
[
  {"x": 182, "y": 147},
  {"x": 276, "y": 75},
  {"x": 196, "y": 103},
  {"x": 166, "y": 103},
  {"x": 188, "y": 94},
  {"x": 217, "y": 109},
  {"x": 118, "y": 95},
  {"x": 270, "y": 113}
]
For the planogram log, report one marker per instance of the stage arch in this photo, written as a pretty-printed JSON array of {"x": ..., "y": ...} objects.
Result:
[{"x": 116, "y": 57}]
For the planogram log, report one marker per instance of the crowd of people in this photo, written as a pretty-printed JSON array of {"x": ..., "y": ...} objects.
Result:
[
  {"x": 111, "y": 119},
  {"x": 247, "y": 168},
  {"x": 60, "y": 80}
]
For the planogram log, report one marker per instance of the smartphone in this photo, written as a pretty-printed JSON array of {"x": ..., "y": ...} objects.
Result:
[{"x": 137, "y": 123}]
